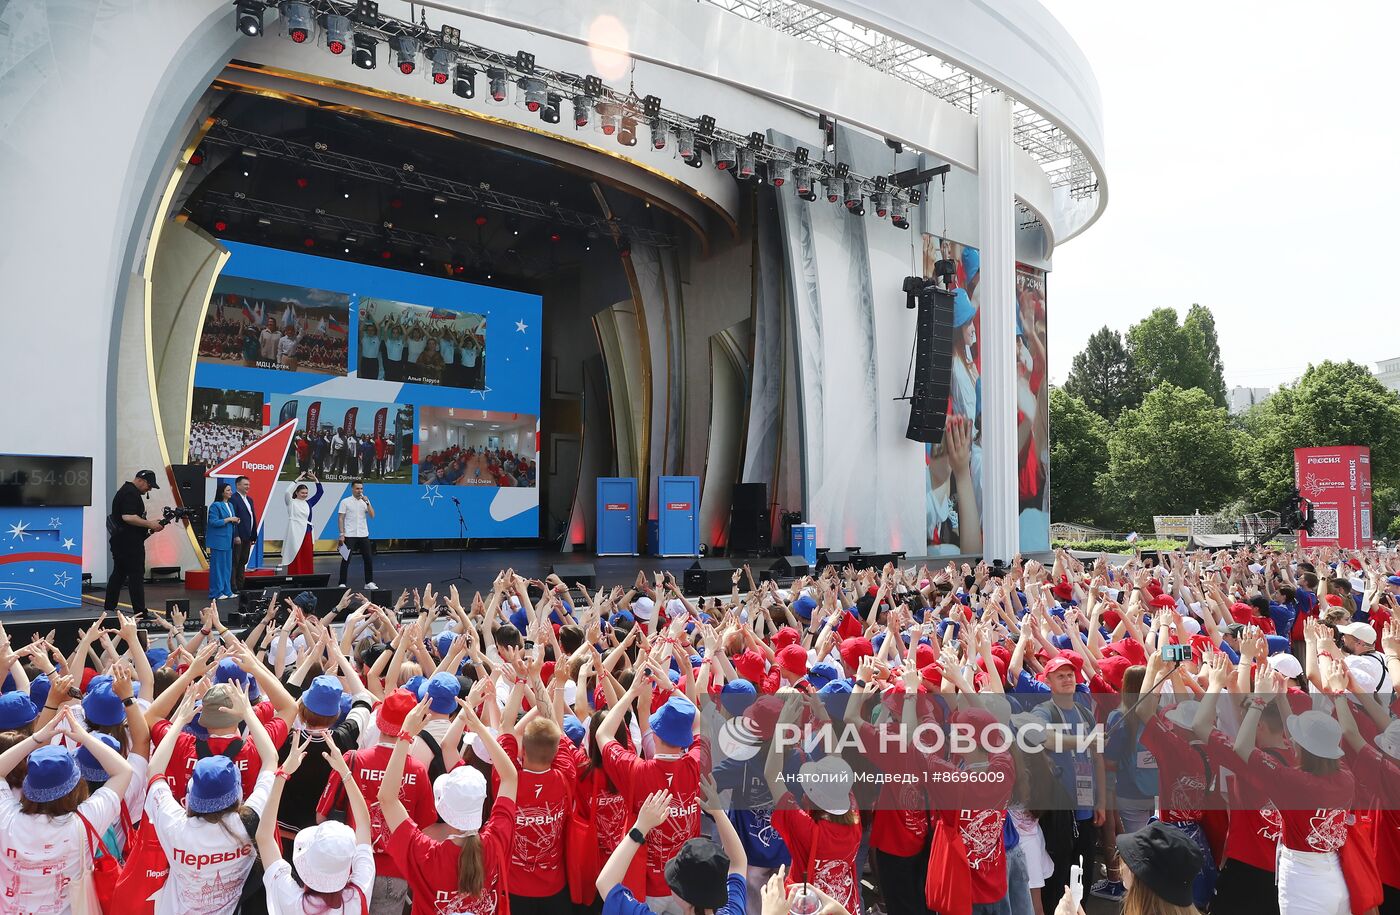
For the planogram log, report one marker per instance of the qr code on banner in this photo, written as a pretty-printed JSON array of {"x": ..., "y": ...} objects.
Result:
[
  {"x": 1365, "y": 524},
  {"x": 1325, "y": 521}
]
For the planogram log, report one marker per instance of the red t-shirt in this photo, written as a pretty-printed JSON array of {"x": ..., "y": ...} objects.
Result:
[
  {"x": 1321, "y": 827},
  {"x": 367, "y": 767},
  {"x": 900, "y": 825},
  {"x": 823, "y": 852},
  {"x": 543, "y": 800},
  {"x": 605, "y": 808},
  {"x": 981, "y": 805},
  {"x": 248, "y": 762},
  {"x": 1255, "y": 823},
  {"x": 1377, "y": 776},
  {"x": 637, "y": 778},
  {"x": 430, "y": 866},
  {"x": 1181, "y": 771}
]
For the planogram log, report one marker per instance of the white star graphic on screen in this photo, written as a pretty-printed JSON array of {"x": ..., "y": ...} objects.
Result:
[
  {"x": 483, "y": 392},
  {"x": 521, "y": 326},
  {"x": 55, "y": 522},
  {"x": 431, "y": 495},
  {"x": 19, "y": 530},
  {"x": 62, "y": 578},
  {"x": 68, "y": 543},
  {"x": 9, "y": 602}
]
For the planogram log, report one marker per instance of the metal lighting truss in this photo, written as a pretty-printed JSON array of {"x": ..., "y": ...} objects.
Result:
[
  {"x": 1061, "y": 158},
  {"x": 408, "y": 176},
  {"x": 369, "y": 21}
]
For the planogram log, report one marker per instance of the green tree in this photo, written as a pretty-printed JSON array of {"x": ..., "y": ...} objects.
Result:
[
  {"x": 1078, "y": 454},
  {"x": 1202, "y": 365},
  {"x": 1335, "y": 403},
  {"x": 1166, "y": 351},
  {"x": 1174, "y": 455},
  {"x": 1103, "y": 377}
]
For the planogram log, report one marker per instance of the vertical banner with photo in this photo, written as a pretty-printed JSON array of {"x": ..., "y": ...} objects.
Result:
[{"x": 947, "y": 506}]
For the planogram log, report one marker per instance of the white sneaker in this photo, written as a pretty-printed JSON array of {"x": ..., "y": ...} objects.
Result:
[{"x": 371, "y": 586}]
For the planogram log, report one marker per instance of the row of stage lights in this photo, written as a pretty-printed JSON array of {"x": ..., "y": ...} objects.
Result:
[{"x": 745, "y": 159}]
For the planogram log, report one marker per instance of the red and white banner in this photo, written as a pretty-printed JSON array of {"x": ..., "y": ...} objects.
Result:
[
  {"x": 1337, "y": 481},
  {"x": 260, "y": 462},
  {"x": 381, "y": 419},
  {"x": 348, "y": 427},
  {"x": 313, "y": 416}
]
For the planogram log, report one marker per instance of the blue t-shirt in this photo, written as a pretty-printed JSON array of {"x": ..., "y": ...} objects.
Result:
[
  {"x": 1074, "y": 770},
  {"x": 620, "y": 900},
  {"x": 1283, "y": 616},
  {"x": 1137, "y": 768},
  {"x": 751, "y": 810}
]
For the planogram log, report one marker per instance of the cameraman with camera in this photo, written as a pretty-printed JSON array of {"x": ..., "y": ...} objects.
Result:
[{"x": 127, "y": 529}]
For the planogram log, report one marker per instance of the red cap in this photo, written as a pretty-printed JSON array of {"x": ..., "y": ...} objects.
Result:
[
  {"x": 793, "y": 659},
  {"x": 1129, "y": 648},
  {"x": 932, "y": 674},
  {"x": 853, "y": 649},
  {"x": 764, "y": 714},
  {"x": 1354, "y": 563},
  {"x": 393, "y": 710},
  {"x": 1241, "y": 612},
  {"x": 849, "y": 627},
  {"x": 88, "y": 674},
  {"x": 1063, "y": 591},
  {"x": 1154, "y": 587},
  {"x": 1164, "y": 600},
  {"x": 1111, "y": 619},
  {"x": 1334, "y": 600},
  {"x": 924, "y": 654},
  {"x": 751, "y": 666},
  {"x": 1059, "y": 662},
  {"x": 1113, "y": 668},
  {"x": 547, "y": 671},
  {"x": 784, "y": 637}
]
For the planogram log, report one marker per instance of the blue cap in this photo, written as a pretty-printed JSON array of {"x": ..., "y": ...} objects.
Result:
[
  {"x": 520, "y": 620},
  {"x": 88, "y": 766},
  {"x": 16, "y": 711},
  {"x": 804, "y": 605},
  {"x": 1061, "y": 642},
  {"x": 972, "y": 260},
  {"x": 573, "y": 729},
  {"x": 822, "y": 674},
  {"x": 621, "y": 616},
  {"x": 414, "y": 684},
  {"x": 322, "y": 697},
  {"x": 39, "y": 690},
  {"x": 963, "y": 309},
  {"x": 444, "y": 642},
  {"x": 228, "y": 671},
  {"x": 833, "y": 696},
  {"x": 673, "y": 723},
  {"x": 345, "y": 702},
  {"x": 214, "y": 785},
  {"x": 1278, "y": 644},
  {"x": 945, "y": 625},
  {"x": 674, "y": 674},
  {"x": 157, "y": 657},
  {"x": 1393, "y": 579},
  {"x": 50, "y": 775},
  {"x": 101, "y": 706},
  {"x": 737, "y": 696},
  {"x": 442, "y": 691}
]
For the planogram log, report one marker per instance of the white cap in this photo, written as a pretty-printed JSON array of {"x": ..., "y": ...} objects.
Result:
[
  {"x": 459, "y": 796},
  {"x": 322, "y": 855},
  {"x": 1389, "y": 740},
  {"x": 643, "y": 608},
  {"x": 1363, "y": 631},
  {"x": 827, "y": 783},
  {"x": 1318, "y": 733},
  {"x": 1183, "y": 714},
  {"x": 479, "y": 747},
  {"x": 1286, "y": 665},
  {"x": 1193, "y": 625},
  {"x": 675, "y": 607}
]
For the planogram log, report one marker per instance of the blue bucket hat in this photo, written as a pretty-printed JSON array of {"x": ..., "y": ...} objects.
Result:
[
  {"x": 444, "y": 642},
  {"x": 737, "y": 696},
  {"x": 39, "y": 690},
  {"x": 17, "y": 710},
  {"x": 346, "y": 701},
  {"x": 972, "y": 261},
  {"x": 101, "y": 706},
  {"x": 963, "y": 309},
  {"x": 822, "y": 674},
  {"x": 414, "y": 684},
  {"x": 51, "y": 774},
  {"x": 441, "y": 690},
  {"x": 803, "y": 606},
  {"x": 1278, "y": 644},
  {"x": 833, "y": 696},
  {"x": 157, "y": 657},
  {"x": 214, "y": 785},
  {"x": 573, "y": 729},
  {"x": 520, "y": 620},
  {"x": 673, "y": 722},
  {"x": 621, "y": 617},
  {"x": 88, "y": 766},
  {"x": 322, "y": 697},
  {"x": 228, "y": 671}
]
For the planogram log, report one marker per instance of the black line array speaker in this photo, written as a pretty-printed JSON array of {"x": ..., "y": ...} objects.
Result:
[
  {"x": 750, "y": 496},
  {"x": 838, "y": 558},
  {"x": 575, "y": 573},
  {"x": 933, "y": 367},
  {"x": 708, "y": 576},
  {"x": 790, "y": 567},
  {"x": 750, "y": 524},
  {"x": 189, "y": 482}
]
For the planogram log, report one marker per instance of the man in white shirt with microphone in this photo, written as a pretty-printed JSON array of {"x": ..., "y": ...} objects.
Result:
[{"x": 353, "y": 517}]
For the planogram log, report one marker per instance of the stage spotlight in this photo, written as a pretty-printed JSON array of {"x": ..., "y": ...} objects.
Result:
[
  {"x": 685, "y": 142},
  {"x": 778, "y": 171},
  {"x": 464, "y": 81},
  {"x": 442, "y": 65},
  {"x": 802, "y": 183},
  {"x": 695, "y": 159},
  {"x": 308, "y": 242},
  {"x": 899, "y": 213},
  {"x": 250, "y": 17},
  {"x": 366, "y": 53},
  {"x": 833, "y": 189},
  {"x": 627, "y": 132},
  {"x": 658, "y": 134},
  {"x": 531, "y": 94},
  {"x": 550, "y": 112},
  {"x": 337, "y": 33},
  {"x": 724, "y": 154},
  {"x": 481, "y": 219},
  {"x": 878, "y": 202},
  {"x": 497, "y": 89},
  {"x": 583, "y": 108},
  {"x": 609, "y": 114},
  {"x": 220, "y": 226},
  {"x": 405, "y": 50},
  {"x": 745, "y": 169},
  {"x": 297, "y": 20},
  {"x": 853, "y": 196}
]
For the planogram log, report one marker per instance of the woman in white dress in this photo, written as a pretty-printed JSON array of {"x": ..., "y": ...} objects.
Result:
[{"x": 297, "y": 552}]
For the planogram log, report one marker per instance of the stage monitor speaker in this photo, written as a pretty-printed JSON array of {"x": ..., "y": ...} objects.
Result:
[
  {"x": 933, "y": 367},
  {"x": 838, "y": 558},
  {"x": 708, "y": 576},
  {"x": 189, "y": 483},
  {"x": 750, "y": 531},
  {"x": 575, "y": 573},
  {"x": 762, "y": 569},
  {"x": 790, "y": 567},
  {"x": 750, "y": 496}
]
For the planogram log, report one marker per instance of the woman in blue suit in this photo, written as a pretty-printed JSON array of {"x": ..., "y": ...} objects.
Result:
[{"x": 218, "y": 537}]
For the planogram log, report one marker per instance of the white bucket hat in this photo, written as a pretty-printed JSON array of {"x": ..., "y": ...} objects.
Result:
[
  {"x": 1183, "y": 714},
  {"x": 323, "y": 854},
  {"x": 827, "y": 783},
  {"x": 1318, "y": 733},
  {"x": 1285, "y": 665},
  {"x": 459, "y": 796}
]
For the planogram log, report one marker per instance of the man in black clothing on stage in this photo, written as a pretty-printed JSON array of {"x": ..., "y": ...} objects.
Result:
[{"x": 127, "y": 527}]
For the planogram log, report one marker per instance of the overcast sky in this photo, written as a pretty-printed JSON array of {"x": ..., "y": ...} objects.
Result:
[{"x": 1253, "y": 161}]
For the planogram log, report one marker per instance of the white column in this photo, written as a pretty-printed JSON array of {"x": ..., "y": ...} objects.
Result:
[{"x": 996, "y": 292}]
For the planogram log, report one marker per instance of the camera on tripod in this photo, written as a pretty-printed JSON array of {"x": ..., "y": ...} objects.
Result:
[{"x": 181, "y": 513}]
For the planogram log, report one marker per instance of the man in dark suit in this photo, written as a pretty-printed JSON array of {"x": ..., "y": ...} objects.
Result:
[{"x": 245, "y": 534}]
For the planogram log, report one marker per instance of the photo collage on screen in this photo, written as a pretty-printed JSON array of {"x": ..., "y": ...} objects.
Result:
[{"x": 421, "y": 345}]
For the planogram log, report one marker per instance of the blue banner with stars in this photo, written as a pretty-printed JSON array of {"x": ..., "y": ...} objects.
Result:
[{"x": 41, "y": 562}]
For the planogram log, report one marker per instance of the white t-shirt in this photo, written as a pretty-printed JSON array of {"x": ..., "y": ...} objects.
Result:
[
  {"x": 353, "y": 511},
  {"x": 284, "y": 894},
  {"x": 208, "y": 865},
  {"x": 41, "y": 857}
]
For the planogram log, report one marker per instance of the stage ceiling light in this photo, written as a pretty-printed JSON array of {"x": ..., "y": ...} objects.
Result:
[
  {"x": 658, "y": 133},
  {"x": 583, "y": 108},
  {"x": 464, "y": 81},
  {"x": 337, "y": 33},
  {"x": 899, "y": 213},
  {"x": 724, "y": 154},
  {"x": 298, "y": 20},
  {"x": 685, "y": 142},
  {"x": 497, "y": 88},
  {"x": 405, "y": 49},
  {"x": 366, "y": 53},
  {"x": 442, "y": 65},
  {"x": 609, "y": 115},
  {"x": 853, "y": 196},
  {"x": 745, "y": 168},
  {"x": 833, "y": 189},
  {"x": 778, "y": 171},
  {"x": 802, "y": 183},
  {"x": 627, "y": 132},
  {"x": 878, "y": 202},
  {"x": 531, "y": 96},
  {"x": 550, "y": 112},
  {"x": 250, "y": 17}
]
